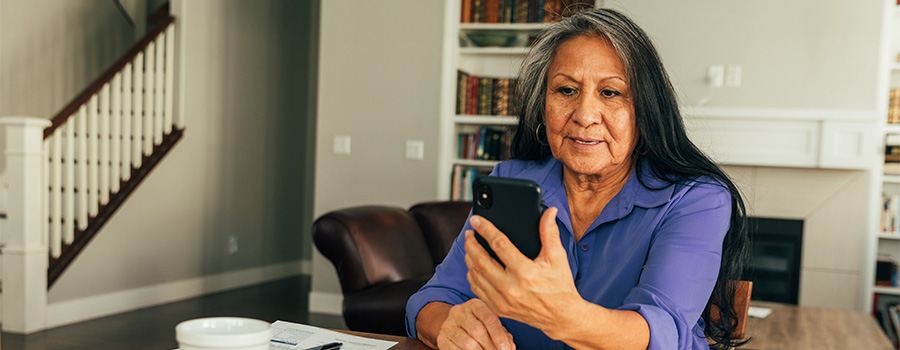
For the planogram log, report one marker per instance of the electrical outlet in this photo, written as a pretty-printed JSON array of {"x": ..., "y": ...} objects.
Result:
[{"x": 232, "y": 245}]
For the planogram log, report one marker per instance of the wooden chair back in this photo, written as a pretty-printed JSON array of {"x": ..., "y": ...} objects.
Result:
[{"x": 741, "y": 305}]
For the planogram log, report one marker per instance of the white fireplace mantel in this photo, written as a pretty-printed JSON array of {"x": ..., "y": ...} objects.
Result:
[{"x": 803, "y": 138}]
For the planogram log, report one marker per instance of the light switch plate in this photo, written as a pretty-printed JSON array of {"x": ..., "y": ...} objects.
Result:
[
  {"x": 342, "y": 145},
  {"x": 415, "y": 149}
]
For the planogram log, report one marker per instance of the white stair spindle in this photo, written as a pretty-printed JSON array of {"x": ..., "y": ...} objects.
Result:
[
  {"x": 159, "y": 74},
  {"x": 69, "y": 183},
  {"x": 46, "y": 190},
  {"x": 103, "y": 163},
  {"x": 56, "y": 193},
  {"x": 148, "y": 97},
  {"x": 137, "y": 117},
  {"x": 93, "y": 155},
  {"x": 127, "y": 112},
  {"x": 170, "y": 78},
  {"x": 82, "y": 168},
  {"x": 115, "y": 134}
]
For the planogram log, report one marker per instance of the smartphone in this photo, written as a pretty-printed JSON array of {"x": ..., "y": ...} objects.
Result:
[{"x": 514, "y": 206}]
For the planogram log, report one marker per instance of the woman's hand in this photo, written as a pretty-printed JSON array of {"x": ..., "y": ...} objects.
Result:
[
  {"x": 472, "y": 325},
  {"x": 539, "y": 292}
]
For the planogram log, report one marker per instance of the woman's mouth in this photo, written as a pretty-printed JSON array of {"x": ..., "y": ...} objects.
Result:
[{"x": 586, "y": 142}]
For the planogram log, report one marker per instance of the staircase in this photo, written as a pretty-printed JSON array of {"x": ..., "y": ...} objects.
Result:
[{"x": 64, "y": 178}]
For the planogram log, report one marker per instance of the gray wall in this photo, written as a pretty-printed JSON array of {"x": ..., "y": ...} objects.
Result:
[
  {"x": 795, "y": 54},
  {"x": 379, "y": 83},
  {"x": 240, "y": 169},
  {"x": 52, "y": 49}
]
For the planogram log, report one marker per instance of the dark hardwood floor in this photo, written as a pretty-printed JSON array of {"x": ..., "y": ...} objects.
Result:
[{"x": 154, "y": 327}]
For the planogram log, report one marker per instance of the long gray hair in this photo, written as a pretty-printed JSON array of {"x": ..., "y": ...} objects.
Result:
[
  {"x": 625, "y": 36},
  {"x": 662, "y": 140}
]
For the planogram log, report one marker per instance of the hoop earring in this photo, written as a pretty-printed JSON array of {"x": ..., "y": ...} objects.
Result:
[{"x": 537, "y": 135}]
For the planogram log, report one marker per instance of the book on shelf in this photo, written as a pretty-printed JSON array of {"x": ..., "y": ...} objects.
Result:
[
  {"x": 892, "y": 168},
  {"x": 485, "y": 95},
  {"x": 884, "y": 319},
  {"x": 894, "y": 313},
  {"x": 885, "y": 271},
  {"x": 890, "y": 213},
  {"x": 886, "y": 312},
  {"x": 519, "y": 11},
  {"x": 480, "y": 95},
  {"x": 892, "y": 154},
  {"x": 461, "y": 181},
  {"x": 485, "y": 143},
  {"x": 892, "y": 148},
  {"x": 893, "y": 116}
]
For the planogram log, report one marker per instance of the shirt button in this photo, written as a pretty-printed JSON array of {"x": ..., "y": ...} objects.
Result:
[{"x": 584, "y": 247}]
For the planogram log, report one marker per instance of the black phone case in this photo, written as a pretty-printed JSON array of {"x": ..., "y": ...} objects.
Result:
[{"x": 516, "y": 211}]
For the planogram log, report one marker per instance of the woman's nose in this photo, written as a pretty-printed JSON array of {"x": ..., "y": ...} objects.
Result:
[{"x": 588, "y": 111}]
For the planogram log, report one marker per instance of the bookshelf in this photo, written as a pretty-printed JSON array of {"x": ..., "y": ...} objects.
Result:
[
  {"x": 887, "y": 236},
  {"x": 480, "y": 58}
]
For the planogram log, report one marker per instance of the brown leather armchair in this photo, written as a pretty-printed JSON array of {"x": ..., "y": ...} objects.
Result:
[{"x": 385, "y": 254}]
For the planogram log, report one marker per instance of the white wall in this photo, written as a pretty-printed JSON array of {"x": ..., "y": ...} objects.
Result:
[
  {"x": 379, "y": 83},
  {"x": 242, "y": 168},
  {"x": 794, "y": 54}
]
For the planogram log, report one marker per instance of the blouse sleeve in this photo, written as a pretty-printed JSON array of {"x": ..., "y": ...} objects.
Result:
[
  {"x": 449, "y": 283},
  {"x": 682, "y": 265}
]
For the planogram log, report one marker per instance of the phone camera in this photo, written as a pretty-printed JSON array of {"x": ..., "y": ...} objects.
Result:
[{"x": 483, "y": 196}]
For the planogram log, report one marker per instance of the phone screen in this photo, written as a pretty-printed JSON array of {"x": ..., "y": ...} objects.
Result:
[{"x": 514, "y": 206}]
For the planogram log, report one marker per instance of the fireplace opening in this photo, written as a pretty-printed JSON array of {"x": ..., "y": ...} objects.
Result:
[{"x": 774, "y": 266}]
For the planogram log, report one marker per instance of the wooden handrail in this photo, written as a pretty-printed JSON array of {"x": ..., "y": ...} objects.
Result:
[{"x": 108, "y": 75}]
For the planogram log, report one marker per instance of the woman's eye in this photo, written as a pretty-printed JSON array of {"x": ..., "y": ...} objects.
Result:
[
  {"x": 609, "y": 93},
  {"x": 566, "y": 91}
]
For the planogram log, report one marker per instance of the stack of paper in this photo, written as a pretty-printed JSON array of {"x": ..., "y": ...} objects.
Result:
[{"x": 294, "y": 336}]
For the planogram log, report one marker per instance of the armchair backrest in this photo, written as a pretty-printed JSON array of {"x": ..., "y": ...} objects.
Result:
[
  {"x": 441, "y": 223},
  {"x": 372, "y": 245}
]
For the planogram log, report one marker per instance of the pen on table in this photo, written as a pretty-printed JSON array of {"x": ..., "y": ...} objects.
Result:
[{"x": 329, "y": 346}]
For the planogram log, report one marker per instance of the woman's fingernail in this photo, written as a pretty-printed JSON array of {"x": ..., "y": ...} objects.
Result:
[
  {"x": 504, "y": 346},
  {"x": 476, "y": 221}
]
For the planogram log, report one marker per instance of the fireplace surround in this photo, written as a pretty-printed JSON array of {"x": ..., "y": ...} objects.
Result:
[{"x": 775, "y": 258}]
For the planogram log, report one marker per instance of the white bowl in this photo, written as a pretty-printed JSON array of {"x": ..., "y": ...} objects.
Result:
[{"x": 232, "y": 333}]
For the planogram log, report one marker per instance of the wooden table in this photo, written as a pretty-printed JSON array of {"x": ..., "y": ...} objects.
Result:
[
  {"x": 788, "y": 327},
  {"x": 403, "y": 343},
  {"x": 800, "y": 328}
]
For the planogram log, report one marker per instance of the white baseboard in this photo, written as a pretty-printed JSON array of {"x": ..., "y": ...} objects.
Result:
[
  {"x": 77, "y": 310},
  {"x": 326, "y": 303}
]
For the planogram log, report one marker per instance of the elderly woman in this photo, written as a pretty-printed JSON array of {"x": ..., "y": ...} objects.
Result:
[{"x": 641, "y": 231}]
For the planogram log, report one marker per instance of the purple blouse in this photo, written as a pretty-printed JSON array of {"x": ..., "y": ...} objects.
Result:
[{"x": 655, "y": 250}]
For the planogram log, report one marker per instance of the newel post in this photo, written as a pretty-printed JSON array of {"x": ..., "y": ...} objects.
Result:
[{"x": 25, "y": 255}]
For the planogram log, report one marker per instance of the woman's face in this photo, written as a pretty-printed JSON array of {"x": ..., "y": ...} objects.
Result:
[{"x": 589, "y": 109}]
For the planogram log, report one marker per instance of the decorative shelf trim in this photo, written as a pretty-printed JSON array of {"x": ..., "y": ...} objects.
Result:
[
  {"x": 894, "y": 179},
  {"x": 892, "y": 128},
  {"x": 502, "y": 26},
  {"x": 478, "y": 163},
  {"x": 493, "y": 50},
  {"x": 886, "y": 290},
  {"x": 485, "y": 119},
  {"x": 783, "y": 114},
  {"x": 889, "y": 235},
  {"x": 790, "y": 137}
]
